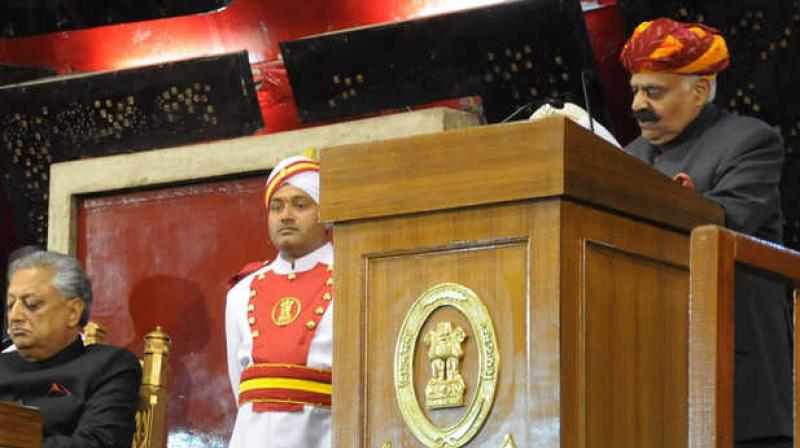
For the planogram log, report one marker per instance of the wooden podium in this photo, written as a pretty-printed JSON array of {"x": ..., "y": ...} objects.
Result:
[
  {"x": 510, "y": 285},
  {"x": 20, "y": 427}
]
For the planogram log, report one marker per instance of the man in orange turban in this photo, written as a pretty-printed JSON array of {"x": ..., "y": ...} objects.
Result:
[
  {"x": 674, "y": 68},
  {"x": 736, "y": 162}
]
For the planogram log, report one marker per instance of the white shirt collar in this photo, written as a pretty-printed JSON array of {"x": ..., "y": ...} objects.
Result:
[{"x": 323, "y": 254}]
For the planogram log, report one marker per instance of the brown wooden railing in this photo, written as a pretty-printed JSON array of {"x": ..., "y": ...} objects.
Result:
[{"x": 715, "y": 252}]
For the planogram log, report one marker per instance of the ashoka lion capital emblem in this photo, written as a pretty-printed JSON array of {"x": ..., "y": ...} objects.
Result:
[{"x": 446, "y": 387}]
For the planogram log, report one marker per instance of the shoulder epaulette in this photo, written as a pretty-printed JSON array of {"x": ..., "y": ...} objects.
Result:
[{"x": 248, "y": 269}]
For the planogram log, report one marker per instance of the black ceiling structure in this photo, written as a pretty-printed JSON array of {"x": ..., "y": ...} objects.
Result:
[
  {"x": 13, "y": 74},
  {"x": 20, "y": 18},
  {"x": 98, "y": 114},
  {"x": 509, "y": 54}
]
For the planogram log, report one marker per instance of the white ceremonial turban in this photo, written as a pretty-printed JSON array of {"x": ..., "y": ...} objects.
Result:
[{"x": 297, "y": 171}]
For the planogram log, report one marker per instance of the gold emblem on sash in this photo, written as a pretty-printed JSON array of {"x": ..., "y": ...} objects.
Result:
[
  {"x": 286, "y": 311},
  {"x": 446, "y": 387}
]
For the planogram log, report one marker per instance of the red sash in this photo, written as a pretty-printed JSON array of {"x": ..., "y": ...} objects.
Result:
[{"x": 284, "y": 312}]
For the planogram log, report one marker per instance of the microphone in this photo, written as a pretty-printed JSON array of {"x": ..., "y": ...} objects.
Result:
[
  {"x": 556, "y": 103},
  {"x": 585, "y": 75},
  {"x": 525, "y": 106},
  {"x": 583, "y": 117}
]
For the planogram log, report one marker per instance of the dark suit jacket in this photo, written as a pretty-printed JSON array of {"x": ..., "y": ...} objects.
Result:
[
  {"x": 736, "y": 162},
  {"x": 88, "y": 395}
]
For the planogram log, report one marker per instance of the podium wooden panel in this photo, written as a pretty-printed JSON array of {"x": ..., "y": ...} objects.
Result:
[
  {"x": 20, "y": 427},
  {"x": 579, "y": 252}
]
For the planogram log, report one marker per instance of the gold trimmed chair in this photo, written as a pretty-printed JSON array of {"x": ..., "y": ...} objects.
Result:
[{"x": 151, "y": 417}]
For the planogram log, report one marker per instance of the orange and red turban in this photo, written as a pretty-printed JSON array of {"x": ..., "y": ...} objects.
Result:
[{"x": 667, "y": 46}]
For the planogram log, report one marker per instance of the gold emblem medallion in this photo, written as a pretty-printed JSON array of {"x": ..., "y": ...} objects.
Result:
[
  {"x": 286, "y": 311},
  {"x": 446, "y": 386}
]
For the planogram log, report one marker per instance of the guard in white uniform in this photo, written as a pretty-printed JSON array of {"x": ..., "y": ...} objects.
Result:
[{"x": 279, "y": 322}]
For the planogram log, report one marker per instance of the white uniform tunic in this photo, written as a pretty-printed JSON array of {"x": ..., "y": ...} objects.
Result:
[{"x": 309, "y": 428}]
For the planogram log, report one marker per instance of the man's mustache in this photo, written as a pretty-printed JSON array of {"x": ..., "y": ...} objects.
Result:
[{"x": 645, "y": 116}]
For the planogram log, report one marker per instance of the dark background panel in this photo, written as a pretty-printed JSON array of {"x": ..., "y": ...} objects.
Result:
[
  {"x": 67, "y": 118},
  {"x": 12, "y": 74},
  {"x": 509, "y": 54},
  {"x": 30, "y": 17}
]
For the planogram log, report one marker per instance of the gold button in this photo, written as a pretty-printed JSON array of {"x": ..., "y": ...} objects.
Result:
[
  {"x": 319, "y": 310},
  {"x": 311, "y": 325},
  {"x": 329, "y": 282},
  {"x": 330, "y": 268},
  {"x": 253, "y": 293},
  {"x": 252, "y": 320},
  {"x": 255, "y": 334},
  {"x": 261, "y": 276},
  {"x": 251, "y": 307},
  {"x": 291, "y": 276},
  {"x": 326, "y": 296}
]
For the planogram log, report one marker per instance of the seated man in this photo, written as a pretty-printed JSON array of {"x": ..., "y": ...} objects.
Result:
[{"x": 88, "y": 395}]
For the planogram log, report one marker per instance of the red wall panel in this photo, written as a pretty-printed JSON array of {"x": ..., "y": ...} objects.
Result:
[{"x": 162, "y": 257}]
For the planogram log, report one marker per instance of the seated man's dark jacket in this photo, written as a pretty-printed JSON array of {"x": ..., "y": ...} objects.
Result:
[
  {"x": 736, "y": 162},
  {"x": 88, "y": 395}
]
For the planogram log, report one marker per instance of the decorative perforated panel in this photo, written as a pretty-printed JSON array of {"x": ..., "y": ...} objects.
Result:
[
  {"x": 67, "y": 118},
  {"x": 510, "y": 54}
]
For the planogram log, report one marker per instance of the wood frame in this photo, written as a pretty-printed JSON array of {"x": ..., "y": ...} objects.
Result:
[
  {"x": 163, "y": 167},
  {"x": 715, "y": 251}
]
